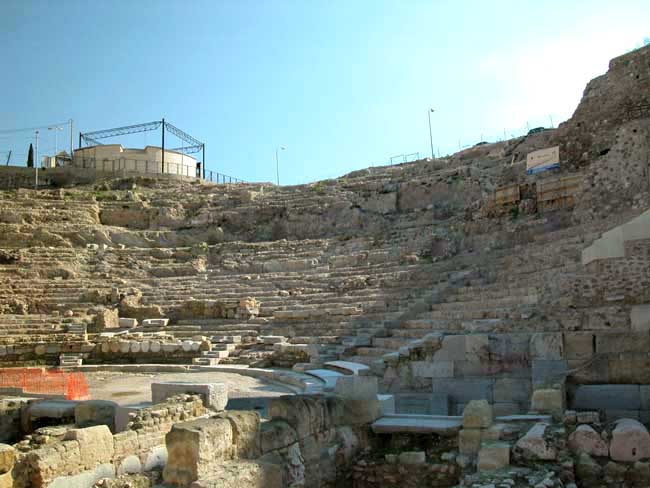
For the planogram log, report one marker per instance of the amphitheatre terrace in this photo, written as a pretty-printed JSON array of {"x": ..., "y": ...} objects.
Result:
[{"x": 458, "y": 321}]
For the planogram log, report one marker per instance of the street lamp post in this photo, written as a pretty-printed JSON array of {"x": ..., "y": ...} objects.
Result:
[
  {"x": 430, "y": 134},
  {"x": 56, "y": 130},
  {"x": 36, "y": 163},
  {"x": 277, "y": 163}
]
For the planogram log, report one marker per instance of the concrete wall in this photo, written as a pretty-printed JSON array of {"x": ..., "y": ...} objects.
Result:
[{"x": 113, "y": 157}]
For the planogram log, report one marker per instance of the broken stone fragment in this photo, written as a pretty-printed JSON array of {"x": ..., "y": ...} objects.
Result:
[
  {"x": 534, "y": 446},
  {"x": 630, "y": 441},
  {"x": 586, "y": 439}
]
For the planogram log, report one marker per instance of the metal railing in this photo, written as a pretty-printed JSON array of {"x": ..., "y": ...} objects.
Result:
[{"x": 215, "y": 176}]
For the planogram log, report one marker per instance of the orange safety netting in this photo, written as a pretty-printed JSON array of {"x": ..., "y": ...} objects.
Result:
[{"x": 72, "y": 386}]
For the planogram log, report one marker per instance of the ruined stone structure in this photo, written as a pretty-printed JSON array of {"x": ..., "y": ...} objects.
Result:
[{"x": 457, "y": 321}]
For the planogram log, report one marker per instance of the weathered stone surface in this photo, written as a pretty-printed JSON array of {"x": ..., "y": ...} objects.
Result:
[
  {"x": 276, "y": 434},
  {"x": 630, "y": 441},
  {"x": 548, "y": 400},
  {"x": 478, "y": 415},
  {"x": 548, "y": 372},
  {"x": 547, "y": 345},
  {"x": 607, "y": 397},
  {"x": 534, "y": 446},
  {"x": 586, "y": 439},
  {"x": 493, "y": 456},
  {"x": 469, "y": 441},
  {"x": 95, "y": 412},
  {"x": 95, "y": 444},
  {"x": 246, "y": 432},
  {"x": 360, "y": 399},
  {"x": 412, "y": 457},
  {"x": 453, "y": 349},
  {"x": 215, "y": 395},
  {"x": 463, "y": 390},
  {"x": 512, "y": 390},
  {"x": 242, "y": 474},
  {"x": 107, "y": 319},
  {"x": 433, "y": 369},
  {"x": 578, "y": 345},
  {"x": 196, "y": 448},
  {"x": 640, "y": 318},
  {"x": 7, "y": 461}
]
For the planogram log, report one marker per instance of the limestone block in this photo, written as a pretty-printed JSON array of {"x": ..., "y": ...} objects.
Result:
[
  {"x": 621, "y": 342},
  {"x": 512, "y": 390},
  {"x": 359, "y": 394},
  {"x": 547, "y": 345},
  {"x": 214, "y": 395},
  {"x": 155, "y": 346},
  {"x": 469, "y": 441},
  {"x": 534, "y": 446},
  {"x": 170, "y": 347},
  {"x": 478, "y": 415},
  {"x": 243, "y": 474},
  {"x": 493, "y": 456},
  {"x": 145, "y": 346},
  {"x": 578, "y": 345},
  {"x": 640, "y": 318},
  {"x": 548, "y": 372},
  {"x": 246, "y": 432},
  {"x": 307, "y": 414},
  {"x": 107, "y": 319},
  {"x": 439, "y": 404},
  {"x": 128, "y": 323},
  {"x": 386, "y": 404},
  {"x": 155, "y": 322},
  {"x": 95, "y": 412},
  {"x": 586, "y": 439},
  {"x": 156, "y": 458},
  {"x": 196, "y": 449},
  {"x": 7, "y": 458},
  {"x": 462, "y": 390},
  {"x": 433, "y": 369},
  {"x": 607, "y": 397},
  {"x": 453, "y": 349},
  {"x": 476, "y": 345},
  {"x": 114, "y": 346},
  {"x": 630, "y": 441},
  {"x": 548, "y": 400},
  {"x": 276, "y": 434},
  {"x": 85, "y": 479},
  {"x": 135, "y": 347},
  {"x": 95, "y": 444}
]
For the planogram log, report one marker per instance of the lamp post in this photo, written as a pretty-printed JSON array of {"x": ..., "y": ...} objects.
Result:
[
  {"x": 277, "y": 162},
  {"x": 36, "y": 163},
  {"x": 56, "y": 138},
  {"x": 430, "y": 134}
]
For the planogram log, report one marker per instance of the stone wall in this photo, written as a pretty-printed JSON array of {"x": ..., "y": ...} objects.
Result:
[{"x": 88, "y": 454}]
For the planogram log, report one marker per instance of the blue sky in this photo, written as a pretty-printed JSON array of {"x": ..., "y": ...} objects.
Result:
[{"x": 343, "y": 84}]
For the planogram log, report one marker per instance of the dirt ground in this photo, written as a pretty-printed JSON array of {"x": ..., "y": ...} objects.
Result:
[{"x": 244, "y": 392}]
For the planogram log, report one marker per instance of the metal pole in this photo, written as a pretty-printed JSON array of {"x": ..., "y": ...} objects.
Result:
[
  {"x": 71, "y": 144},
  {"x": 36, "y": 164},
  {"x": 277, "y": 166},
  {"x": 430, "y": 134},
  {"x": 162, "y": 171},
  {"x": 203, "y": 163}
]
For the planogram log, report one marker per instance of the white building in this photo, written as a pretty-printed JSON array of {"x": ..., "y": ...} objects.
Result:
[{"x": 114, "y": 157}]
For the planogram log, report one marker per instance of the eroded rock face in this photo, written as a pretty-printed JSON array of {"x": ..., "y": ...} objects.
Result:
[
  {"x": 630, "y": 441},
  {"x": 478, "y": 415}
]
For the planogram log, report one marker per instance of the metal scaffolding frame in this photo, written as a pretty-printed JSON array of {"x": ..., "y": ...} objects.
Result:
[{"x": 194, "y": 145}]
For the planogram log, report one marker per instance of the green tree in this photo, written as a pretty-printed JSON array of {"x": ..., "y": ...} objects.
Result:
[{"x": 30, "y": 157}]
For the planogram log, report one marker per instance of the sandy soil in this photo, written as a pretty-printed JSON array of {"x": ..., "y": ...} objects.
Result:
[{"x": 244, "y": 392}]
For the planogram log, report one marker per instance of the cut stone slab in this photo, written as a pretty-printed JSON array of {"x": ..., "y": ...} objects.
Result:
[
  {"x": 440, "y": 404},
  {"x": 469, "y": 441},
  {"x": 640, "y": 318},
  {"x": 215, "y": 395},
  {"x": 156, "y": 322},
  {"x": 586, "y": 439},
  {"x": 630, "y": 441},
  {"x": 348, "y": 367},
  {"x": 548, "y": 400},
  {"x": 493, "y": 456},
  {"x": 412, "y": 457},
  {"x": 128, "y": 323},
  {"x": 418, "y": 424},
  {"x": 273, "y": 339},
  {"x": 386, "y": 404},
  {"x": 478, "y": 415},
  {"x": 327, "y": 376},
  {"x": 607, "y": 397}
]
